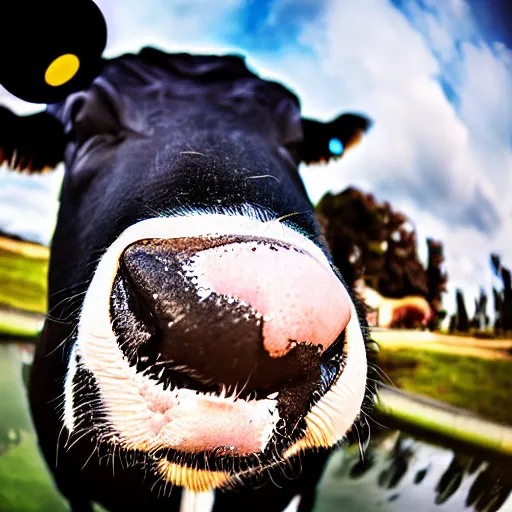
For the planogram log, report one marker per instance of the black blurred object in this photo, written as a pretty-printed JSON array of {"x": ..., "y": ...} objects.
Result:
[
  {"x": 490, "y": 489},
  {"x": 400, "y": 458},
  {"x": 420, "y": 475},
  {"x": 506, "y": 311},
  {"x": 436, "y": 281},
  {"x": 451, "y": 479},
  {"x": 30, "y": 143},
  {"x": 462, "y": 320},
  {"x": 498, "y": 305},
  {"x": 37, "y": 32},
  {"x": 503, "y": 299},
  {"x": 453, "y": 321},
  {"x": 485, "y": 485},
  {"x": 480, "y": 319}
]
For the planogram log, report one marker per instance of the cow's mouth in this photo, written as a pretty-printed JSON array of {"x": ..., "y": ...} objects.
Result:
[{"x": 190, "y": 368}]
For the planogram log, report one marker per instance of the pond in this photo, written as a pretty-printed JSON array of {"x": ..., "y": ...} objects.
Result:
[{"x": 398, "y": 472}]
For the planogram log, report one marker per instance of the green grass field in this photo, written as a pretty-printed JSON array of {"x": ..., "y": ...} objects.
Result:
[
  {"x": 23, "y": 288},
  {"x": 478, "y": 385},
  {"x": 23, "y": 273}
]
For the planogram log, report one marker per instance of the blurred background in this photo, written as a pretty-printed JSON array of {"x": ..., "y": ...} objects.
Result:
[{"x": 418, "y": 216}]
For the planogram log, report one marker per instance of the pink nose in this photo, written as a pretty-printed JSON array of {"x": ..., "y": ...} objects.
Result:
[{"x": 300, "y": 299}]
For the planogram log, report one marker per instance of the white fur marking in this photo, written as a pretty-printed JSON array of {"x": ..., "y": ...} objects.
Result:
[
  {"x": 69, "y": 414},
  {"x": 197, "y": 501},
  {"x": 293, "y": 506}
]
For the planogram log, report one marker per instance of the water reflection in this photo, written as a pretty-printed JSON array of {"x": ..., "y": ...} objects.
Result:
[{"x": 398, "y": 472}]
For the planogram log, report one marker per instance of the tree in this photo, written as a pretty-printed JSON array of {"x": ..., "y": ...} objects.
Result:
[
  {"x": 480, "y": 319},
  {"x": 502, "y": 299},
  {"x": 498, "y": 305},
  {"x": 436, "y": 280},
  {"x": 506, "y": 311},
  {"x": 370, "y": 240}
]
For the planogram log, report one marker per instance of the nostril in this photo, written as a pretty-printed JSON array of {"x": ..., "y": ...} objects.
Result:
[
  {"x": 153, "y": 283},
  {"x": 210, "y": 337},
  {"x": 132, "y": 320}
]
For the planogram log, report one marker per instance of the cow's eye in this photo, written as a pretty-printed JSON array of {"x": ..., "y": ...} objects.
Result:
[{"x": 336, "y": 146}]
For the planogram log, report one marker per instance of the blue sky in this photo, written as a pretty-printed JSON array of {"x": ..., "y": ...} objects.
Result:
[{"x": 435, "y": 75}]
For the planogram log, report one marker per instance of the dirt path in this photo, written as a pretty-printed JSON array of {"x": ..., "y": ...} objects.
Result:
[
  {"x": 25, "y": 249},
  {"x": 394, "y": 339}
]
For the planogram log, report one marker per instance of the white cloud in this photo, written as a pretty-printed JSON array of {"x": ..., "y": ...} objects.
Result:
[
  {"x": 28, "y": 203},
  {"x": 485, "y": 97},
  {"x": 180, "y": 25}
]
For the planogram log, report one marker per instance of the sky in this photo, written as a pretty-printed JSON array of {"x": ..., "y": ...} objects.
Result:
[{"x": 434, "y": 75}]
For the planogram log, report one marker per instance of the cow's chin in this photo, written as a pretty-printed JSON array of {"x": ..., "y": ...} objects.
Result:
[{"x": 203, "y": 437}]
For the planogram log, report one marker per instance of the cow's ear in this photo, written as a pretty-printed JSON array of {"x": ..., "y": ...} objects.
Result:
[
  {"x": 32, "y": 143},
  {"x": 325, "y": 141},
  {"x": 50, "y": 48}
]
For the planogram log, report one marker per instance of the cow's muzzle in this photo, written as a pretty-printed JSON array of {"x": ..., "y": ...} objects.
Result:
[
  {"x": 244, "y": 322},
  {"x": 218, "y": 345}
]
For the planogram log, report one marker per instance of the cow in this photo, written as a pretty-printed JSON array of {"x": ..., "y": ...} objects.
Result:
[
  {"x": 201, "y": 351},
  {"x": 410, "y": 312}
]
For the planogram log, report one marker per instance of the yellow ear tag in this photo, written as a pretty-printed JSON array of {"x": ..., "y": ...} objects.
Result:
[{"x": 62, "y": 70}]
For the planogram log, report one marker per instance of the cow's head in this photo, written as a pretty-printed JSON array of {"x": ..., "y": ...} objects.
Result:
[{"x": 196, "y": 320}]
